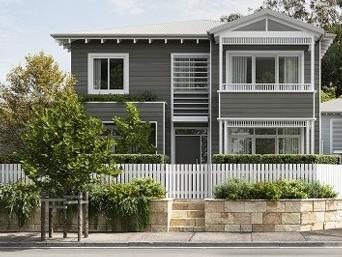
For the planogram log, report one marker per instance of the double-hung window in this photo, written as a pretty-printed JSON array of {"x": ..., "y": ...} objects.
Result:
[{"x": 108, "y": 73}]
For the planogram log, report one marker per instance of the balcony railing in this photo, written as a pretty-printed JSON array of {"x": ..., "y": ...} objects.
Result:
[{"x": 262, "y": 87}]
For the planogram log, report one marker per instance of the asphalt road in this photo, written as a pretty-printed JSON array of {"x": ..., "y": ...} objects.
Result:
[{"x": 173, "y": 252}]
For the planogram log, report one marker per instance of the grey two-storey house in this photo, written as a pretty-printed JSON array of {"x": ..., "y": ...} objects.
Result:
[{"x": 247, "y": 86}]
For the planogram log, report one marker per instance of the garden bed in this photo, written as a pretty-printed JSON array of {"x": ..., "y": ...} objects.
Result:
[{"x": 269, "y": 216}]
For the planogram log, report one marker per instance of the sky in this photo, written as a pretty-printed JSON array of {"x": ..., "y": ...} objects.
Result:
[{"x": 26, "y": 25}]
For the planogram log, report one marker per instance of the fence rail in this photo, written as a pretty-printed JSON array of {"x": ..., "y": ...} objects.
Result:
[{"x": 198, "y": 180}]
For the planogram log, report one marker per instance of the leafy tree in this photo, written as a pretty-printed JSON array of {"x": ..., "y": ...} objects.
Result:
[
  {"x": 230, "y": 17},
  {"x": 327, "y": 94},
  {"x": 28, "y": 85},
  {"x": 62, "y": 145},
  {"x": 133, "y": 134}
]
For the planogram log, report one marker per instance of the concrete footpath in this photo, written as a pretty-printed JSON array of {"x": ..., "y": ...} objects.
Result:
[{"x": 328, "y": 238}]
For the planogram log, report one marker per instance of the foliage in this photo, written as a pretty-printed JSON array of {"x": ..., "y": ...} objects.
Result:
[
  {"x": 327, "y": 94},
  {"x": 267, "y": 190},
  {"x": 63, "y": 146},
  {"x": 235, "y": 189},
  {"x": 122, "y": 203},
  {"x": 28, "y": 85},
  {"x": 140, "y": 158},
  {"x": 144, "y": 97},
  {"x": 19, "y": 201},
  {"x": 276, "y": 158},
  {"x": 230, "y": 17},
  {"x": 133, "y": 134}
]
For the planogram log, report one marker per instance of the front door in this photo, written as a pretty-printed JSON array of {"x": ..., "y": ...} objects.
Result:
[{"x": 188, "y": 149}]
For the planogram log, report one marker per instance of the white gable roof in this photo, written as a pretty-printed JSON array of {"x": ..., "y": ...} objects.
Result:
[
  {"x": 334, "y": 105},
  {"x": 267, "y": 13},
  {"x": 183, "y": 28}
]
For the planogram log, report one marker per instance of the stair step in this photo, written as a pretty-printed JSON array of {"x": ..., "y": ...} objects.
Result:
[
  {"x": 188, "y": 205},
  {"x": 181, "y": 214},
  {"x": 187, "y": 229},
  {"x": 187, "y": 222}
]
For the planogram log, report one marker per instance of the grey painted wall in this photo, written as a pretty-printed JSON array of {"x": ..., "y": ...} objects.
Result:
[
  {"x": 149, "y": 112},
  {"x": 276, "y": 26},
  {"x": 326, "y": 128},
  {"x": 266, "y": 105},
  {"x": 150, "y": 66}
]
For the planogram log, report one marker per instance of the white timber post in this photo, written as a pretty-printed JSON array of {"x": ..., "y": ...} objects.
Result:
[
  {"x": 307, "y": 137},
  {"x": 221, "y": 63},
  {"x": 312, "y": 137},
  {"x": 225, "y": 137},
  {"x": 220, "y": 136},
  {"x": 314, "y": 98}
]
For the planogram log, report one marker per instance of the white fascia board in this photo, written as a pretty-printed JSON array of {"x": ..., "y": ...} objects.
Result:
[{"x": 265, "y": 34}]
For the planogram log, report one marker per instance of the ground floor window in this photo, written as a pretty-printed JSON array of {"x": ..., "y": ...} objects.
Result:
[
  {"x": 264, "y": 140},
  {"x": 109, "y": 126}
]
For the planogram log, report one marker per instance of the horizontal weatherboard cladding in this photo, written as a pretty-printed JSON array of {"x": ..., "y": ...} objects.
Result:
[
  {"x": 266, "y": 105},
  {"x": 148, "y": 112},
  {"x": 149, "y": 66}
]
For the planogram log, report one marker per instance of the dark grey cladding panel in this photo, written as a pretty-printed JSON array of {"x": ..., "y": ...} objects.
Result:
[
  {"x": 266, "y": 105},
  {"x": 148, "y": 111},
  {"x": 149, "y": 66}
]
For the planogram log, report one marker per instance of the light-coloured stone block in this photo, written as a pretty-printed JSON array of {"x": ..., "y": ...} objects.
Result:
[
  {"x": 272, "y": 218},
  {"x": 293, "y": 206},
  {"x": 214, "y": 228},
  {"x": 306, "y": 206},
  {"x": 330, "y": 216},
  {"x": 195, "y": 214},
  {"x": 239, "y": 218},
  {"x": 308, "y": 218},
  {"x": 159, "y": 206},
  {"x": 214, "y": 206},
  {"x": 263, "y": 228},
  {"x": 332, "y": 225},
  {"x": 179, "y": 214},
  {"x": 256, "y": 218},
  {"x": 255, "y": 206},
  {"x": 246, "y": 228},
  {"x": 234, "y": 206},
  {"x": 330, "y": 205},
  {"x": 319, "y": 205},
  {"x": 159, "y": 218},
  {"x": 286, "y": 228},
  {"x": 232, "y": 228},
  {"x": 290, "y": 218},
  {"x": 158, "y": 228},
  {"x": 200, "y": 222},
  {"x": 217, "y": 218},
  {"x": 275, "y": 206}
]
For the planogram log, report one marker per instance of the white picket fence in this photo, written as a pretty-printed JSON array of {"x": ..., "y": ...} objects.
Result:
[{"x": 199, "y": 180}]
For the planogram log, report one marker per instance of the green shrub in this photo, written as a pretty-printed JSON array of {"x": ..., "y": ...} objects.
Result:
[
  {"x": 147, "y": 96},
  {"x": 276, "y": 158},
  {"x": 125, "y": 206},
  {"x": 140, "y": 158},
  {"x": 267, "y": 190},
  {"x": 316, "y": 190},
  {"x": 235, "y": 189},
  {"x": 19, "y": 200}
]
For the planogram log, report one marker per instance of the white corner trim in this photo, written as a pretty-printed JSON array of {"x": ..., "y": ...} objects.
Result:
[{"x": 91, "y": 57}]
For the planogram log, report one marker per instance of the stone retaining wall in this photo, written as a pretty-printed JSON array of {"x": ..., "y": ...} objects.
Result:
[
  {"x": 267, "y": 216},
  {"x": 159, "y": 221}
]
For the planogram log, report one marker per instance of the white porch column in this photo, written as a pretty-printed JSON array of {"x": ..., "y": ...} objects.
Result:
[
  {"x": 220, "y": 63},
  {"x": 302, "y": 140},
  {"x": 312, "y": 80},
  {"x": 225, "y": 137},
  {"x": 312, "y": 137},
  {"x": 307, "y": 137},
  {"x": 220, "y": 136}
]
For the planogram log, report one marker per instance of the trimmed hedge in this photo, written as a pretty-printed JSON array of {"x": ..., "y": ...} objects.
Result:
[
  {"x": 140, "y": 158},
  {"x": 237, "y": 189},
  {"x": 276, "y": 158},
  {"x": 144, "y": 97}
]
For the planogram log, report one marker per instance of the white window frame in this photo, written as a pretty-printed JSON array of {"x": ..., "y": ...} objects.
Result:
[
  {"x": 124, "y": 56},
  {"x": 332, "y": 121},
  {"x": 254, "y": 136},
  {"x": 254, "y": 54}
]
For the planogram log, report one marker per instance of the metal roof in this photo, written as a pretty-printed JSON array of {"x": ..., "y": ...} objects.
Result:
[
  {"x": 334, "y": 105},
  {"x": 182, "y": 28}
]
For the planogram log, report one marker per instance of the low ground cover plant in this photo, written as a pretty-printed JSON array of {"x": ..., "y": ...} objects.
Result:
[
  {"x": 237, "y": 189},
  {"x": 276, "y": 159}
]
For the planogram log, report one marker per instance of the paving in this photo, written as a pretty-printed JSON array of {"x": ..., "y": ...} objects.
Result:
[{"x": 178, "y": 239}]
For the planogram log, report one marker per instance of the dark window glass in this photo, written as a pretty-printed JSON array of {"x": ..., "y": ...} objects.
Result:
[
  {"x": 265, "y": 69},
  {"x": 116, "y": 74}
]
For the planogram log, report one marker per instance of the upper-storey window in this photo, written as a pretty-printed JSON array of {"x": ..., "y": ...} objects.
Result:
[
  {"x": 108, "y": 73},
  {"x": 264, "y": 68}
]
